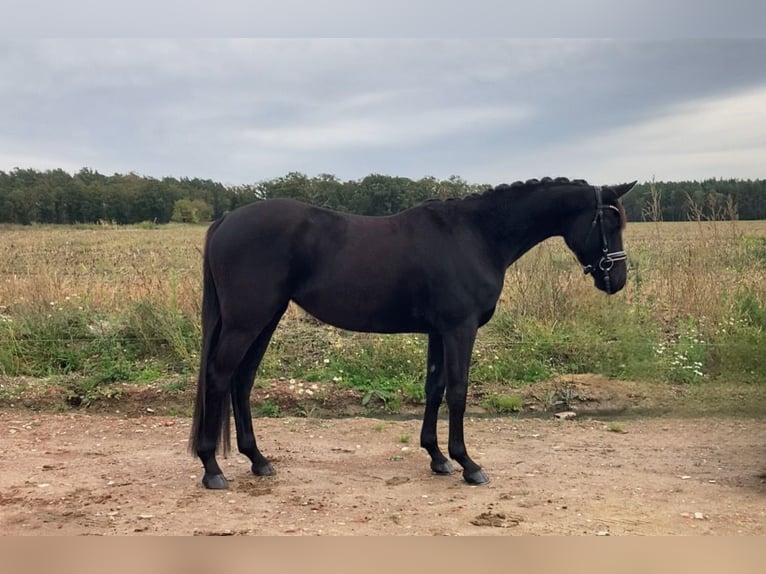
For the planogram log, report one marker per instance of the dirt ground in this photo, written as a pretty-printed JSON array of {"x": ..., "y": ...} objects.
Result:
[{"x": 102, "y": 474}]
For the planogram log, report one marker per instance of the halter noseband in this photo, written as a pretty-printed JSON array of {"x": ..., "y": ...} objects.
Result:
[{"x": 608, "y": 258}]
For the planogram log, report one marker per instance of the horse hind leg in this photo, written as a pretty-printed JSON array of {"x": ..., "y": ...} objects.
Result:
[
  {"x": 231, "y": 348},
  {"x": 242, "y": 385}
]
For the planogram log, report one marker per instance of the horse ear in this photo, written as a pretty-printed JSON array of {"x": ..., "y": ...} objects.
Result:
[{"x": 620, "y": 190}]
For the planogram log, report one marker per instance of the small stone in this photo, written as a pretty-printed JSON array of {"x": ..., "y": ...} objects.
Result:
[
  {"x": 699, "y": 516},
  {"x": 602, "y": 533}
]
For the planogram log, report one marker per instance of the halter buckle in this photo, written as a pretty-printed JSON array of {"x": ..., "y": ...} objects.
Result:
[{"x": 607, "y": 261}]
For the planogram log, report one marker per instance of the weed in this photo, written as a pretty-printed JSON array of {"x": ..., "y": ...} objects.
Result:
[
  {"x": 305, "y": 411},
  {"x": 164, "y": 331},
  {"x": 84, "y": 392},
  {"x": 751, "y": 310},
  {"x": 560, "y": 398},
  {"x": 684, "y": 354},
  {"x": 755, "y": 250},
  {"x": 389, "y": 398},
  {"x": 615, "y": 427},
  {"x": 269, "y": 409},
  {"x": 175, "y": 386},
  {"x": 413, "y": 392},
  {"x": 503, "y": 404}
]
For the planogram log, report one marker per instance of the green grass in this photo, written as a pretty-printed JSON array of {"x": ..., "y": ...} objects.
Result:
[
  {"x": 615, "y": 427},
  {"x": 268, "y": 408},
  {"x": 96, "y": 349},
  {"x": 503, "y": 404},
  {"x": 150, "y": 341}
]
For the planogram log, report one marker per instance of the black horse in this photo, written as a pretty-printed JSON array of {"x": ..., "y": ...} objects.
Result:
[{"x": 436, "y": 268}]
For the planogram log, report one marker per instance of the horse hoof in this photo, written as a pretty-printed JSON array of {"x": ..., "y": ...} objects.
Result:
[
  {"x": 264, "y": 470},
  {"x": 442, "y": 468},
  {"x": 215, "y": 482},
  {"x": 476, "y": 477}
]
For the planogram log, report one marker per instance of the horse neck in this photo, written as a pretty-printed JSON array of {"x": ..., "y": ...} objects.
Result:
[{"x": 514, "y": 221}]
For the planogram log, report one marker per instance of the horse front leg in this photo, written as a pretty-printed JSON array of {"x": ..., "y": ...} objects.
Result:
[
  {"x": 435, "y": 385},
  {"x": 458, "y": 346}
]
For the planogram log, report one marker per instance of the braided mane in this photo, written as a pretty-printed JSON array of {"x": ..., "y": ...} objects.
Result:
[
  {"x": 534, "y": 184},
  {"x": 516, "y": 186}
]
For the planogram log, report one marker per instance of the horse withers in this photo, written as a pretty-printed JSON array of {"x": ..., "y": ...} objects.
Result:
[{"x": 436, "y": 268}]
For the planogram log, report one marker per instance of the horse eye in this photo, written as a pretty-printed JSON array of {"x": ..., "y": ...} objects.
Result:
[{"x": 612, "y": 220}]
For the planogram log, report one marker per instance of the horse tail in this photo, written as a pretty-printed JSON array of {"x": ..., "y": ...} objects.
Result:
[{"x": 211, "y": 329}]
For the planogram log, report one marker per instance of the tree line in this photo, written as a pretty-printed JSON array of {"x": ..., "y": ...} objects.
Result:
[
  {"x": 55, "y": 196},
  {"x": 713, "y": 199}
]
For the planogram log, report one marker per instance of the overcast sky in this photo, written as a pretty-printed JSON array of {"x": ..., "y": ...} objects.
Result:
[{"x": 489, "y": 110}]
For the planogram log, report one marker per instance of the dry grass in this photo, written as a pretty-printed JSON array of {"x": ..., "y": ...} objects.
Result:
[
  {"x": 686, "y": 269},
  {"x": 696, "y": 269},
  {"x": 100, "y": 267},
  {"x": 679, "y": 270}
]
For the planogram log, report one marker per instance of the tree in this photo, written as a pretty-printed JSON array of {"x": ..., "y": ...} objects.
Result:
[
  {"x": 191, "y": 211},
  {"x": 54, "y": 196}
]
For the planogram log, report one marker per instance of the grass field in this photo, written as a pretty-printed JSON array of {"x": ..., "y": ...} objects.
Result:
[{"x": 99, "y": 304}]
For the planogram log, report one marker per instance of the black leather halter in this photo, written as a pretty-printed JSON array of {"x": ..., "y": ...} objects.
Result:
[{"x": 608, "y": 258}]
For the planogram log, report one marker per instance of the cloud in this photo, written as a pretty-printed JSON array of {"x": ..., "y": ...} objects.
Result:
[
  {"x": 487, "y": 109},
  {"x": 394, "y": 18},
  {"x": 8, "y": 161},
  {"x": 405, "y": 129},
  {"x": 699, "y": 139}
]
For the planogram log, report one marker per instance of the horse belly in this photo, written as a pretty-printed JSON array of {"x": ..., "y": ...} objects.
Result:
[{"x": 373, "y": 310}]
